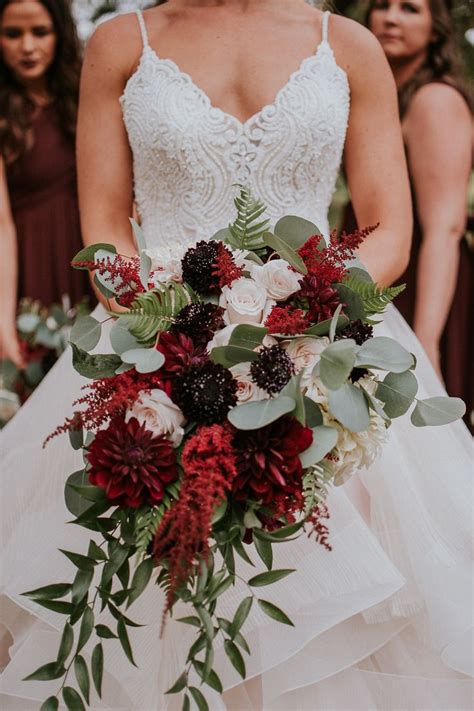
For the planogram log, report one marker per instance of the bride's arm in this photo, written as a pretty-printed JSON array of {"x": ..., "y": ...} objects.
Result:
[
  {"x": 374, "y": 155},
  {"x": 103, "y": 154}
]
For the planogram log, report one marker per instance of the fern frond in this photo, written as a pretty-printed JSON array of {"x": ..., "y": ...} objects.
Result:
[
  {"x": 246, "y": 232},
  {"x": 316, "y": 484},
  {"x": 375, "y": 298},
  {"x": 154, "y": 310}
]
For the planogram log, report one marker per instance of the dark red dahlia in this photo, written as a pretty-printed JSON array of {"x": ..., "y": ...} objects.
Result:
[
  {"x": 319, "y": 297},
  {"x": 131, "y": 464},
  {"x": 198, "y": 267},
  {"x": 180, "y": 353},
  {"x": 205, "y": 393},
  {"x": 268, "y": 462},
  {"x": 199, "y": 321}
]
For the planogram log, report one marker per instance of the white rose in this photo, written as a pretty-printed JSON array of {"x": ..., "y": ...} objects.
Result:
[
  {"x": 247, "y": 390},
  {"x": 305, "y": 353},
  {"x": 245, "y": 301},
  {"x": 160, "y": 415},
  {"x": 165, "y": 264},
  {"x": 277, "y": 278}
]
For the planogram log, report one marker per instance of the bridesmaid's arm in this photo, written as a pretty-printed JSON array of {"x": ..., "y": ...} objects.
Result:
[
  {"x": 9, "y": 346},
  {"x": 103, "y": 154},
  {"x": 374, "y": 154},
  {"x": 438, "y": 136}
]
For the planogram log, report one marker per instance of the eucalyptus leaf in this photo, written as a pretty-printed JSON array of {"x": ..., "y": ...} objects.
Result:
[
  {"x": 102, "y": 288},
  {"x": 229, "y": 356},
  {"x": 146, "y": 360},
  {"x": 354, "y": 306},
  {"x": 313, "y": 414},
  {"x": 324, "y": 440},
  {"x": 293, "y": 389},
  {"x": 94, "y": 366},
  {"x": 88, "y": 253},
  {"x": 384, "y": 353},
  {"x": 121, "y": 338},
  {"x": 397, "y": 392},
  {"x": 349, "y": 406},
  {"x": 295, "y": 231},
  {"x": 86, "y": 332},
  {"x": 337, "y": 362},
  {"x": 335, "y": 323},
  {"x": 145, "y": 269},
  {"x": 285, "y": 252},
  {"x": 247, "y": 336},
  {"x": 113, "y": 284},
  {"x": 437, "y": 411},
  {"x": 253, "y": 415}
]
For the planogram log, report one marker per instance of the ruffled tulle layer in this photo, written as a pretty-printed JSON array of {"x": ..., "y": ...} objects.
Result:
[{"x": 384, "y": 621}]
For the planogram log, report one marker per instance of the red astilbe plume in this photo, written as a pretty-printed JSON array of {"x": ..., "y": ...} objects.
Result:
[
  {"x": 124, "y": 272},
  {"x": 224, "y": 267},
  {"x": 182, "y": 538},
  {"x": 287, "y": 320},
  {"x": 109, "y": 397},
  {"x": 328, "y": 263}
]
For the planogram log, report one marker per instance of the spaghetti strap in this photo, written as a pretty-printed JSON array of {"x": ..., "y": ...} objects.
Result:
[
  {"x": 325, "y": 25},
  {"x": 141, "y": 22}
]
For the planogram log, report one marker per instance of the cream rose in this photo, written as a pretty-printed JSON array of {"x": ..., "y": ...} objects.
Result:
[
  {"x": 247, "y": 390},
  {"x": 160, "y": 415},
  {"x": 245, "y": 301},
  {"x": 277, "y": 278},
  {"x": 357, "y": 450},
  {"x": 305, "y": 353},
  {"x": 165, "y": 264}
]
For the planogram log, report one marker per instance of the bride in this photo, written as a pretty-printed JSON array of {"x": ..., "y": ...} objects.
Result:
[{"x": 178, "y": 105}]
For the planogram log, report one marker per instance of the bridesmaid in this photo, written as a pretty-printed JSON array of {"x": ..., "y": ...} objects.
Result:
[
  {"x": 39, "y": 218},
  {"x": 417, "y": 38}
]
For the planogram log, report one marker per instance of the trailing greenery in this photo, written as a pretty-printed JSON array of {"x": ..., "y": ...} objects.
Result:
[
  {"x": 374, "y": 298},
  {"x": 247, "y": 231},
  {"x": 316, "y": 484}
]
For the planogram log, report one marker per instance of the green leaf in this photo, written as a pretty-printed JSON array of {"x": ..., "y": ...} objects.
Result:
[
  {"x": 97, "y": 666},
  {"x": 227, "y": 356},
  {"x": 235, "y": 657},
  {"x": 124, "y": 641},
  {"x": 206, "y": 620},
  {"x": 80, "y": 561},
  {"x": 337, "y": 362},
  {"x": 178, "y": 685},
  {"x": 72, "y": 699},
  {"x": 154, "y": 310},
  {"x": 313, "y": 414},
  {"x": 274, "y": 612},
  {"x": 281, "y": 534},
  {"x": 94, "y": 366},
  {"x": 105, "y": 632},
  {"x": 349, "y": 406},
  {"x": 49, "y": 592},
  {"x": 285, "y": 252},
  {"x": 324, "y": 440},
  {"x": 197, "y": 646},
  {"x": 145, "y": 360},
  {"x": 81, "y": 585},
  {"x": 397, "y": 392},
  {"x": 120, "y": 337},
  {"x": 117, "y": 559},
  {"x": 374, "y": 298},
  {"x": 85, "y": 631},
  {"x": 220, "y": 511},
  {"x": 102, "y": 288},
  {"x": 436, "y": 411},
  {"x": 253, "y": 415},
  {"x": 295, "y": 231},
  {"x": 272, "y": 576},
  {"x": 199, "y": 699},
  {"x": 247, "y": 231},
  {"x": 140, "y": 579},
  {"x": 63, "y": 608},
  {"x": 334, "y": 323},
  {"x": 247, "y": 336},
  {"x": 293, "y": 389},
  {"x": 384, "y": 353},
  {"x": 95, "y": 552},
  {"x": 227, "y": 627},
  {"x": 212, "y": 679},
  {"x": 240, "y": 548},
  {"x": 90, "y": 493},
  {"x": 264, "y": 550},
  {"x": 354, "y": 306},
  {"x": 75, "y": 503},
  {"x": 82, "y": 676},
  {"x": 47, "y": 672},
  {"x": 193, "y": 621},
  {"x": 145, "y": 269},
  {"x": 323, "y": 328},
  {"x": 88, "y": 253},
  {"x": 65, "y": 646},
  {"x": 241, "y": 614},
  {"x": 186, "y": 703},
  {"x": 51, "y": 704},
  {"x": 86, "y": 332},
  {"x": 76, "y": 438}
]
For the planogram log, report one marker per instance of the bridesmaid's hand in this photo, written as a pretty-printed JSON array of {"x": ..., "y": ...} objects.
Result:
[{"x": 10, "y": 347}]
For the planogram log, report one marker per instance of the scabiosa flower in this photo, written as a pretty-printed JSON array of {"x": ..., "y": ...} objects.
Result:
[
  {"x": 287, "y": 321},
  {"x": 319, "y": 297},
  {"x": 359, "y": 331},
  {"x": 268, "y": 462},
  {"x": 198, "y": 267},
  {"x": 131, "y": 464},
  {"x": 179, "y": 352},
  {"x": 225, "y": 268},
  {"x": 199, "y": 321},
  {"x": 272, "y": 369},
  {"x": 205, "y": 393}
]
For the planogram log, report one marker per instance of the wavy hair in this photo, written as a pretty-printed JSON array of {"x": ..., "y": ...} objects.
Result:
[
  {"x": 16, "y": 108},
  {"x": 443, "y": 62}
]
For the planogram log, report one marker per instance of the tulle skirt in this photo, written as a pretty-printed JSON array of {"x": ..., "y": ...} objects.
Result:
[{"x": 383, "y": 621}]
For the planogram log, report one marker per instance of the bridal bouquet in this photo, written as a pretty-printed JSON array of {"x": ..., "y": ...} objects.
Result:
[{"x": 245, "y": 380}]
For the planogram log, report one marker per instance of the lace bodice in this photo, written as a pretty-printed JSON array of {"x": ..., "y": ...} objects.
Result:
[{"x": 188, "y": 154}]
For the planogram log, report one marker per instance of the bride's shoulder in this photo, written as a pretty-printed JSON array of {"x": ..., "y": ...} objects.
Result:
[{"x": 357, "y": 50}]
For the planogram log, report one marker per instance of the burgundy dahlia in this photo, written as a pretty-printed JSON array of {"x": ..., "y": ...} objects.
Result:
[
  {"x": 180, "y": 353},
  {"x": 198, "y": 267},
  {"x": 319, "y": 297},
  {"x": 268, "y": 462},
  {"x": 131, "y": 464},
  {"x": 199, "y": 321}
]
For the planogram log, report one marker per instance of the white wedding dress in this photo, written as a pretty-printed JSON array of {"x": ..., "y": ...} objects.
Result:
[{"x": 381, "y": 622}]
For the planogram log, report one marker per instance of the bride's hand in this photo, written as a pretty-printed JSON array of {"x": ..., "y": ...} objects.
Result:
[{"x": 10, "y": 346}]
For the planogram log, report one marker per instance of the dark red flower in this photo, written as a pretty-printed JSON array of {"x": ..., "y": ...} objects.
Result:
[
  {"x": 131, "y": 464},
  {"x": 268, "y": 460},
  {"x": 329, "y": 263},
  {"x": 287, "y": 321},
  {"x": 224, "y": 267},
  {"x": 319, "y": 297},
  {"x": 199, "y": 321},
  {"x": 198, "y": 265},
  {"x": 180, "y": 353}
]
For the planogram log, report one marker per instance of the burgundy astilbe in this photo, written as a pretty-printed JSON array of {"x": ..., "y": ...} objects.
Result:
[
  {"x": 318, "y": 297},
  {"x": 182, "y": 538},
  {"x": 123, "y": 271},
  {"x": 287, "y": 321},
  {"x": 131, "y": 464},
  {"x": 225, "y": 268}
]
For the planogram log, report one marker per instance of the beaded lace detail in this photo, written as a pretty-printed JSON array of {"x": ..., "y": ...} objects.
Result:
[{"x": 188, "y": 154}]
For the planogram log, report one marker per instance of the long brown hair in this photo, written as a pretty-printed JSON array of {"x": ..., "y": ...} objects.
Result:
[
  {"x": 16, "y": 108},
  {"x": 443, "y": 62}
]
